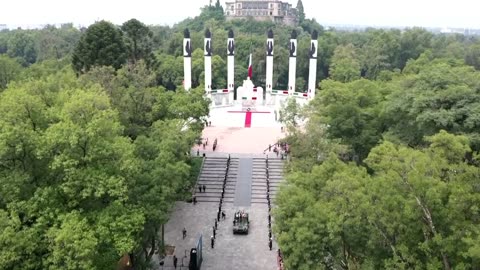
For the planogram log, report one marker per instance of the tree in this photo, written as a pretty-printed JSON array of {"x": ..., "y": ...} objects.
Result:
[
  {"x": 139, "y": 42},
  {"x": 22, "y": 46},
  {"x": 65, "y": 192},
  {"x": 438, "y": 94},
  {"x": 171, "y": 71},
  {"x": 101, "y": 45},
  {"x": 352, "y": 113},
  {"x": 472, "y": 56},
  {"x": 345, "y": 67},
  {"x": 405, "y": 213},
  {"x": 300, "y": 12},
  {"x": 412, "y": 44},
  {"x": 291, "y": 114},
  {"x": 55, "y": 43},
  {"x": 9, "y": 70},
  {"x": 219, "y": 72}
]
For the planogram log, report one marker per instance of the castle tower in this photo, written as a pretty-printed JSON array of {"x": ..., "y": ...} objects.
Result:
[
  {"x": 208, "y": 62},
  {"x": 292, "y": 65},
  {"x": 312, "y": 76},
  {"x": 187, "y": 60},
  {"x": 269, "y": 75}
]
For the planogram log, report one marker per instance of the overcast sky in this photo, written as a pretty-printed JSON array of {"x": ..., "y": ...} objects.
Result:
[{"x": 427, "y": 13}]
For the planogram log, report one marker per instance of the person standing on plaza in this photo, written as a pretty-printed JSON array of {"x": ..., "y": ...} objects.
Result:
[
  {"x": 212, "y": 241},
  {"x": 175, "y": 260},
  {"x": 270, "y": 243},
  {"x": 184, "y": 232}
]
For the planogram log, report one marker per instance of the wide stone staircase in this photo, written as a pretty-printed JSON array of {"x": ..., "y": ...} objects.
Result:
[
  {"x": 212, "y": 176},
  {"x": 259, "y": 178}
]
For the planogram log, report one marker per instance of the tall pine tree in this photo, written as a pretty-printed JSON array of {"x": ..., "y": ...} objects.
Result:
[{"x": 301, "y": 11}]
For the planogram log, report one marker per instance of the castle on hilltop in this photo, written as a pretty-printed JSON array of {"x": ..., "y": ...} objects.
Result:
[{"x": 262, "y": 10}]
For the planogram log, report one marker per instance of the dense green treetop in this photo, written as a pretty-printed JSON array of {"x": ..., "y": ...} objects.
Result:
[
  {"x": 90, "y": 166},
  {"x": 101, "y": 45}
]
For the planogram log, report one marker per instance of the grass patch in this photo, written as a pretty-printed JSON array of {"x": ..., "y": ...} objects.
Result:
[{"x": 195, "y": 167}]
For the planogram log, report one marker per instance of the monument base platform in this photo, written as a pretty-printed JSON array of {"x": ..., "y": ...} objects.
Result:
[{"x": 238, "y": 116}]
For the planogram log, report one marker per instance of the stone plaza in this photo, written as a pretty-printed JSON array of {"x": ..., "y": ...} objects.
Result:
[{"x": 245, "y": 189}]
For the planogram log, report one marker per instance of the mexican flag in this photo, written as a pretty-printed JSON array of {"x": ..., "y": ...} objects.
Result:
[{"x": 250, "y": 70}]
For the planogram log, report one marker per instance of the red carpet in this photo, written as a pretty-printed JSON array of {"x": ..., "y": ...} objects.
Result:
[{"x": 248, "y": 119}]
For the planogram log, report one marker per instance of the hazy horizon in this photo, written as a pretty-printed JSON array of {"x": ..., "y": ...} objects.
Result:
[{"x": 406, "y": 13}]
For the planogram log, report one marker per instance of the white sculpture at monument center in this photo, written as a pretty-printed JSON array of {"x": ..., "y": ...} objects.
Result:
[{"x": 249, "y": 95}]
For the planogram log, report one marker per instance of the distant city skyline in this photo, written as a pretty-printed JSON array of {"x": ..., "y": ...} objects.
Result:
[{"x": 376, "y": 13}]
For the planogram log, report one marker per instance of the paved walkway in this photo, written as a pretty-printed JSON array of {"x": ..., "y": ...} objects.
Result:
[
  {"x": 239, "y": 140},
  {"x": 243, "y": 190},
  {"x": 231, "y": 251}
]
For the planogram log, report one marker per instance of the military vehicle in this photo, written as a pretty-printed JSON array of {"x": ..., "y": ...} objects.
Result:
[{"x": 240, "y": 222}]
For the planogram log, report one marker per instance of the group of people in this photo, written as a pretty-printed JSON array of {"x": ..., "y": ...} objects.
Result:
[
  {"x": 240, "y": 216},
  {"x": 205, "y": 144},
  {"x": 269, "y": 208},
  {"x": 279, "y": 148},
  {"x": 220, "y": 214},
  {"x": 200, "y": 188}
]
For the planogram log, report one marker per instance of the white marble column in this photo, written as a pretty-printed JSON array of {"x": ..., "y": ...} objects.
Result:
[
  {"x": 208, "y": 62},
  {"x": 292, "y": 65},
  {"x": 187, "y": 61},
  {"x": 269, "y": 75},
  {"x": 231, "y": 62},
  {"x": 312, "y": 76}
]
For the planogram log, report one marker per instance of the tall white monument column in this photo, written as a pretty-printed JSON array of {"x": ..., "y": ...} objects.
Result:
[
  {"x": 187, "y": 61},
  {"x": 312, "y": 76},
  {"x": 208, "y": 63},
  {"x": 292, "y": 65},
  {"x": 231, "y": 64},
  {"x": 269, "y": 79}
]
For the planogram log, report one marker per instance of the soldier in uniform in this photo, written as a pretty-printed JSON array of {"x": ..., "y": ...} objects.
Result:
[{"x": 175, "y": 261}]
